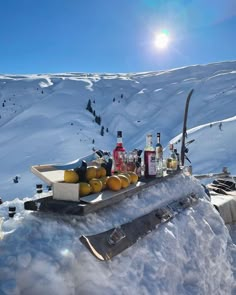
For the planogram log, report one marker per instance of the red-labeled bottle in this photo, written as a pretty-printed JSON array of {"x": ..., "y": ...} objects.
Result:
[{"x": 119, "y": 155}]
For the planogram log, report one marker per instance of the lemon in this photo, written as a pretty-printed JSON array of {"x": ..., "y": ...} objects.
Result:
[
  {"x": 90, "y": 172},
  {"x": 96, "y": 185},
  {"x": 100, "y": 172},
  {"x": 127, "y": 175},
  {"x": 113, "y": 183},
  {"x": 104, "y": 181},
  {"x": 134, "y": 177},
  {"x": 71, "y": 176},
  {"x": 125, "y": 182},
  {"x": 84, "y": 189}
]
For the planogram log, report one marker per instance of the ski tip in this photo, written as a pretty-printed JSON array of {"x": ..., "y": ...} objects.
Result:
[{"x": 85, "y": 241}]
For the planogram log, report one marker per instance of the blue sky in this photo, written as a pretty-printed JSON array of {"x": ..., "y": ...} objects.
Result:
[{"x": 50, "y": 36}]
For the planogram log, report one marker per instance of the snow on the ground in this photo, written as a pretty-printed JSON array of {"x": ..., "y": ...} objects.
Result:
[
  {"x": 191, "y": 254},
  {"x": 43, "y": 120}
]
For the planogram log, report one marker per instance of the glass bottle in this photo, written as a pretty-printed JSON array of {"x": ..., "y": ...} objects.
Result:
[
  {"x": 138, "y": 163},
  {"x": 149, "y": 158},
  {"x": 159, "y": 156},
  {"x": 171, "y": 161},
  {"x": 119, "y": 155},
  {"x": 159, "y": 149},
  {"x": 130, "y": 160}
]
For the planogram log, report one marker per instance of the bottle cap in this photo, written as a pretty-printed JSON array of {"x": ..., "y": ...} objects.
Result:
[{"x": 119, "y": 133}]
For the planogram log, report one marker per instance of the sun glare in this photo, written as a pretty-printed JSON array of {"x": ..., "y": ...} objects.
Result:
[{"x": 162, "y": 40}]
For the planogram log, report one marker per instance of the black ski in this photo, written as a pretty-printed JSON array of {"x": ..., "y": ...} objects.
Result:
[
  {"x": 182, "y": 158},
  {"x": 106, "y": 245}
]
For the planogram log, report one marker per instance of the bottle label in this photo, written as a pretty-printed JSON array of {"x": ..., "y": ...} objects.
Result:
[
  {"x": 119, "y": 161},
  {"x": 159, "y": 152},
  {"x": 174, "y": 164},
  {"x": 168, "y": 163},
  {"x": 151, "y": 164}
]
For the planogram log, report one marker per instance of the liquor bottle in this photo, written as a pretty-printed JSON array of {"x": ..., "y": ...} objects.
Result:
[
  {"x": 171, "y": 161},
  {"x": 138, "y": 163},
  {"x": 159, "y": 156},
  {"x": 159, "y": 149},
  {"x": 149, "y": 158},
  {"x": 119, "y": 155},
  {"x": 130, "y": 160}
]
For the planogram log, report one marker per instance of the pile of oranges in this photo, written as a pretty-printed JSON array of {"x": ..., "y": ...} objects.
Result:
[{"x": 97, "y": 180}]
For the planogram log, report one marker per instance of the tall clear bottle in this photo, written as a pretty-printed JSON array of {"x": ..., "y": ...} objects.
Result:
[
  {"x": 159, "y": 149},
  {"x": 149, "y": 158},
  {"x": 159, "y": 156},
  {"x": 119, "y": 154},
  {"x": 171, "y": 162}
]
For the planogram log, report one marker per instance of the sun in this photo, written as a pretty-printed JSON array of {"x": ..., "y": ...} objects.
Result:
[{"x": 162, "y": 40}]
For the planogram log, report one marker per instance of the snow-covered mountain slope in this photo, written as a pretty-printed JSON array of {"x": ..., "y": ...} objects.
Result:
[
  {"x": 44, "y": 117},
  {"x": 213, "y": 147}
]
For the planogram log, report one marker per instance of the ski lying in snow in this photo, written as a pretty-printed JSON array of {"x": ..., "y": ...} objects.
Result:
[{"x": 106, "y": 245}]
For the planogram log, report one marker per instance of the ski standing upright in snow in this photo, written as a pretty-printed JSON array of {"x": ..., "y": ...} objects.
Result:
[{"x": 184, "y": 133}]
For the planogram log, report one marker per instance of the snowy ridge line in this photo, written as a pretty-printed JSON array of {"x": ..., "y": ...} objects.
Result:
[
  {"x": 108, "y": 244},
  {"x": 199, "y": 127}
]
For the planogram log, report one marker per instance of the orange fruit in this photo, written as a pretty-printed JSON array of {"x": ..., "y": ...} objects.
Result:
[
  {"x": 71, "y": 176},
  {"x": 100, "y": 172},
  {"x": 84, "y": 189},
  {"x": 104, "y": 181},
  {"x": 124, "y": 180},
  {"x": 91, "y": 172},
  {"x": 96, "y": 185},
  {"x": 113, "y": 183},
  {"x": 134, "y": 177},
  {"x": 127, "y": 175}
]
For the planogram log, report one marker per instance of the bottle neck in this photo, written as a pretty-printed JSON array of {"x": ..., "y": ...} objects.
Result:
[
  {"x": 149, "y": 143},
  {"x": 171, "y": 147},
  {"x": 119, "y": 142},
  {"x": 158, "y": 139}
]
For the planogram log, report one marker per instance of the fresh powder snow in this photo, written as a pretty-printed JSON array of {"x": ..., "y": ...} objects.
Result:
[{"x": 44, "y": 120}]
